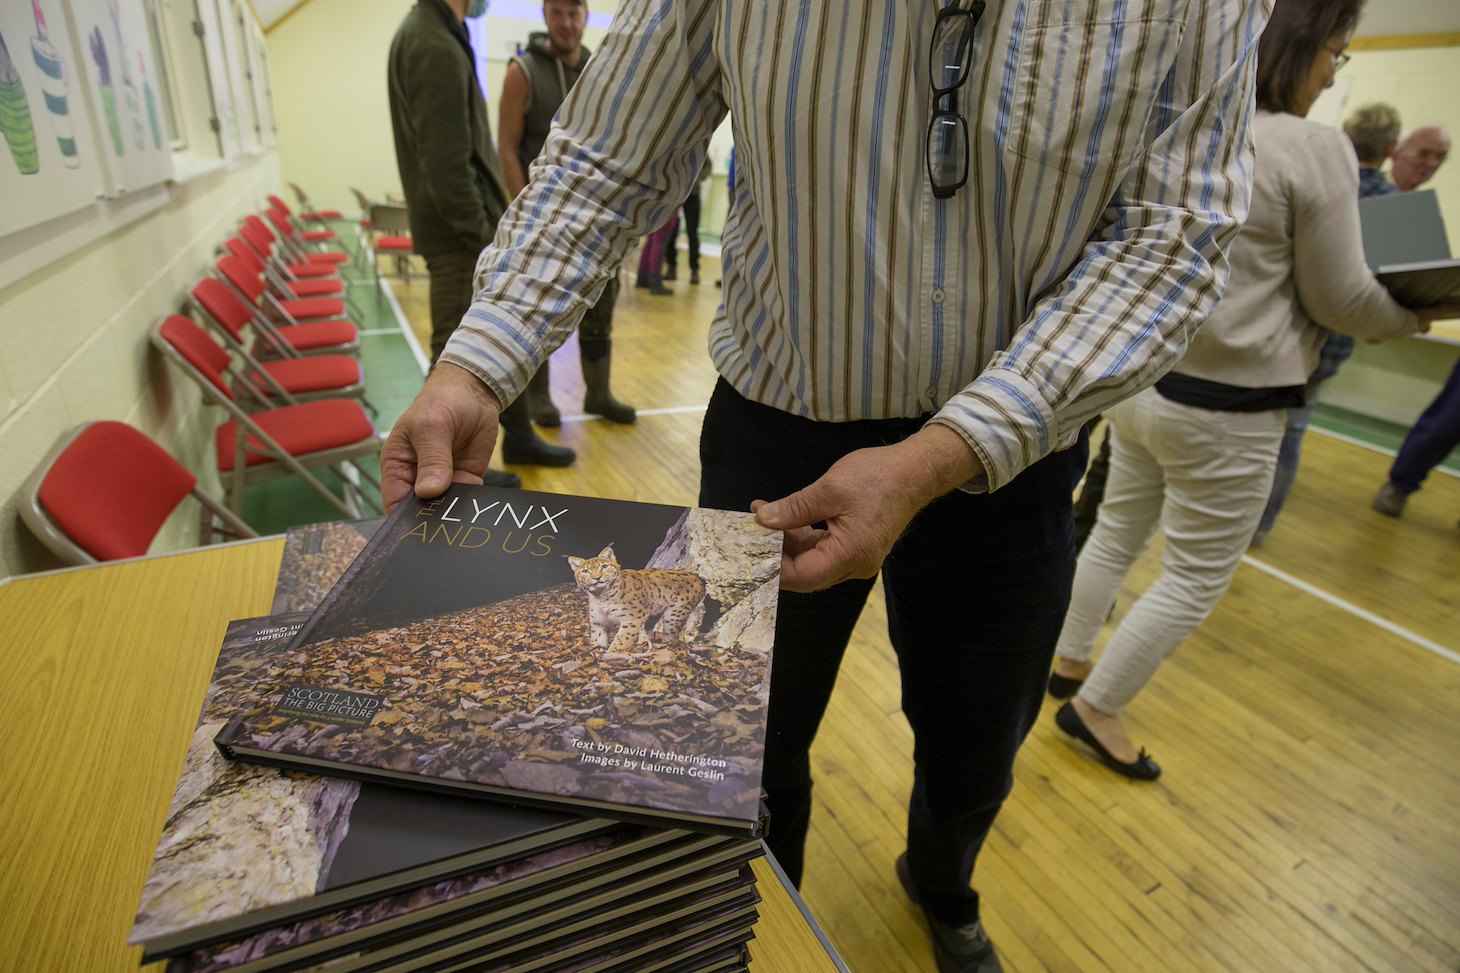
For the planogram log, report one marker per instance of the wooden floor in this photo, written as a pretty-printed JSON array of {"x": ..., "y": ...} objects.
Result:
[{"x": 1309, "y": 814}]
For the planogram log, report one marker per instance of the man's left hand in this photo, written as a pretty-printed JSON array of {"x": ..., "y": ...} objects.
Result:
[{"x": 865, "y": 501}]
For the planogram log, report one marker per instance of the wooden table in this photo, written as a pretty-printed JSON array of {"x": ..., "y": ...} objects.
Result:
[{"x": 104, "y": 670}]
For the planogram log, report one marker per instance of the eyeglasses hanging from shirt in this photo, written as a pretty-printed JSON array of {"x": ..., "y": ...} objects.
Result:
[{"x": 950, "y": 64}]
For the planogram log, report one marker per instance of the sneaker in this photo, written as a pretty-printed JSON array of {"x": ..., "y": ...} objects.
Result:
[
  {"x": 1389, "y": 501},
  {"x": 958, "y": 949}
]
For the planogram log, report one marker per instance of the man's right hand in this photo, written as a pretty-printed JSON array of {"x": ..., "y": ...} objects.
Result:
[{"x": 445, "y": 436}]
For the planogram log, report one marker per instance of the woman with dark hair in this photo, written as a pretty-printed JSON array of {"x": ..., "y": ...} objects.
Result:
[{"x": 1195, "y": 454}]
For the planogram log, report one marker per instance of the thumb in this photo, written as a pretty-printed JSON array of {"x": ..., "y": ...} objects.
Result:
[
  {"x": 434, "y": 466},
  {"x": 800, "y": 509}
]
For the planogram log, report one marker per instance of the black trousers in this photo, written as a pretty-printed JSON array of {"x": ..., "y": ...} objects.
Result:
[
  {"x": 976, "y": 594},
  {"x": 691, "y": 225}
]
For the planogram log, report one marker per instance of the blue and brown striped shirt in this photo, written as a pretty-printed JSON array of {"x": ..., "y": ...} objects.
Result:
[{"x": 1110, "y": 170}]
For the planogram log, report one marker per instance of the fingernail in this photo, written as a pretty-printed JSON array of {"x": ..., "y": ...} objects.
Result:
[{"x": 768, "y": 513}]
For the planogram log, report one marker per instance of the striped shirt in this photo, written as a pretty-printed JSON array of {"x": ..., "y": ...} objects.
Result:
[{"x": 1110, "y": 169}]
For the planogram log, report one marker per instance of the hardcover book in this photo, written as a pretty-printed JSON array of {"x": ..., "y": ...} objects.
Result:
[
  {"x": 503, "y": 900},
  {"x": 315, "y": 555},
  {"x": 246, "y": 847},
  {"x": 598, "y": 656}
]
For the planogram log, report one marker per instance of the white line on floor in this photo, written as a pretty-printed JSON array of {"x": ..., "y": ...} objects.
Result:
[{"x": 1353, "y": 609}]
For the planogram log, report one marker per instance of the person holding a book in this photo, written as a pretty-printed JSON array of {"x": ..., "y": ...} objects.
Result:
[
  {"x": 1195, "y": 455},
  {"x": 941, "y": 266}
]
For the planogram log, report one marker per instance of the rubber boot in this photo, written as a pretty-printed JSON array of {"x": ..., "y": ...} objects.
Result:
[
  {"x": 596, "y": 355},
  {"x": 523, "y": 446},
  {"x": 540, "y": 401},
  {"x": 501, "y": 478}
]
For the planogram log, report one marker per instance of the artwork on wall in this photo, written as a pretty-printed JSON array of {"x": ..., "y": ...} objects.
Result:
[
  {"x": 50, "y": 166},
  {"x": 119, "y": 66},
  {"x": 224, "y": 102}
]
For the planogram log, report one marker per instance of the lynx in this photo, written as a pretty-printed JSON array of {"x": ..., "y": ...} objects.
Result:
[{"x": 622, "y": 601}]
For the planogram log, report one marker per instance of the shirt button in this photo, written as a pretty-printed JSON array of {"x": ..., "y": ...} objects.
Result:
[
  {"x": 932, "y": 391},
  {"x": 938, "y": 295}
]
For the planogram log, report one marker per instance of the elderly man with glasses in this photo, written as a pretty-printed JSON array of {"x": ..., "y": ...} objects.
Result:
[{"x": 965, "y": 230}]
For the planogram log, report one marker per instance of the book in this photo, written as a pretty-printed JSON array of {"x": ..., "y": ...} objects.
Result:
[
  {"x": 594, "y": 656},
  {"x": 503, "y": 900},
  {"x": 246, "y": 847},
  {"x": 1423, "y": 284},
  {"x": 315, "y": 555}
]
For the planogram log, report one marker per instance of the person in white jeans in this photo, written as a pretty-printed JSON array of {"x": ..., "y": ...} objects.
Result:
[{"x": 1195, "y": 454}]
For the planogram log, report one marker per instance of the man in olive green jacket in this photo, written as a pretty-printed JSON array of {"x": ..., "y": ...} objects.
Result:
[{"x": 451, "y": 178}]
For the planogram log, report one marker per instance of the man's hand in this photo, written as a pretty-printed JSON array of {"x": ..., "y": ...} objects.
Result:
[
  {"x": 445, "y": 436},
  {"x": 866, "y": 500}
]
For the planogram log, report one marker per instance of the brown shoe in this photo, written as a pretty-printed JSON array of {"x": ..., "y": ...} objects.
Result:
[{"x": 1389, "y": 501}]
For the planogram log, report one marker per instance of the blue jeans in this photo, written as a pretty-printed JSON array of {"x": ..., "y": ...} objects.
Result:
[
  {"x": 1434, "y": 434},
  {"x": 1287, "y": 465},
  {"x": 976, "y": 593}
]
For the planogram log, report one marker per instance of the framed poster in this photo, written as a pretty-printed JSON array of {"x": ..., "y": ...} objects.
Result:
[
  {"x": 49, "y": 166},
  {"x": 225, "y": 109},
  {"x": 128, "y": 119}
]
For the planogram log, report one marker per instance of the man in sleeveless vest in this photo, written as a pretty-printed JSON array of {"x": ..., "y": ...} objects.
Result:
[
  {"x": 452, "y": 183},
  {"x": 537, "y": 82}
]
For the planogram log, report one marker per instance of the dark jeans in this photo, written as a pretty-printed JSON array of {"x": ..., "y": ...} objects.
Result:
[
  {"x": 1092, "y": 494},
  {"x": 691, "y": 225},
  {"x": 976, "y": 594},
  {"x": 451, "y": 293},
  {"x": 1433, "y": 435}
]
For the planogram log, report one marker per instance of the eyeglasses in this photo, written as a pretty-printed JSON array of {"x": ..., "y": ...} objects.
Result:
[
  {"x": 951, "y": 61},
  {"x": 1339, "y": 58}
]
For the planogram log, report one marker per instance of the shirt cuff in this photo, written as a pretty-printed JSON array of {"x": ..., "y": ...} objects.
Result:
[
  {"x": 1005, "y": 421},
  {"x": 498, "y": 349}
]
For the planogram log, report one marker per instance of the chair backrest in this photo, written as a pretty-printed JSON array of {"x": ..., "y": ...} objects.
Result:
[
  {"x": 103, "y": 493},
  {"x": 241, "y": 276},
  {"x": 390, "y": 217},
  {"x": 298, "y": 192},
  {"x": 223, "y": 306},
  {"x": 281, "y": 223},
  {"x": 257, "y": 235},
  {"x": 362, "y": 199},
  {"x": 244, "y": 252},
  {"x": 207, "y": 358}
]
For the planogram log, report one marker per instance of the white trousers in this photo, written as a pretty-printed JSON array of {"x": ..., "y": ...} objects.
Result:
[{"x": 1203, "y": 477}]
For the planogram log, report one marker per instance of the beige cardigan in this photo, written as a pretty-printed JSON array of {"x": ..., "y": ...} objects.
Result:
[{"x": 1297, "y": 267}]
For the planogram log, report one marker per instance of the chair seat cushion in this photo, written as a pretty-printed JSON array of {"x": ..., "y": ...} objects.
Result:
[
  {"x": 324, "y": 214},
  {"x": 318, "y": 374},
  {"x": 313, "y": 335},
  {"x": 328, "y": 257},
  {"x": 314, "y": 236},
  {"x": 387, "y": 243},
  {"x": 314, "y": 307},
  {"x": 316, "y": 287},
  {"x": 312, "y": 269},
  {"x": 300, "y": 430}
]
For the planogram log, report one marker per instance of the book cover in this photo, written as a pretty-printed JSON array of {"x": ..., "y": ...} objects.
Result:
[
  {"x": 500, "y": 898},
  {"x": 597, "y": 655},
  {"x": 315, "y": 555},
  {"x": 244, "y": 847},
  {"x": 1423, "y": 284}
]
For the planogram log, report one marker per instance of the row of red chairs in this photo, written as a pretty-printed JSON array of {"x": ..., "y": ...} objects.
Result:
[{"x": 277, "y": 355}]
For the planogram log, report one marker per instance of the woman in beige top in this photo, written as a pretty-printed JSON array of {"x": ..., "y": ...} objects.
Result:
[{"x": 1195, "y": 454}]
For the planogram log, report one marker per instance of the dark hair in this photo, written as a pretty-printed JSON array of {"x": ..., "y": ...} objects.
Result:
[
  {"x": 1294, "y": 37},
  {"x": 1372, "y": 129}
]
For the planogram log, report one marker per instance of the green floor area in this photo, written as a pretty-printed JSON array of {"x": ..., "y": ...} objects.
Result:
[
  {"x": 1367, "y": 429},
  {"x": 392, "y": 378}
]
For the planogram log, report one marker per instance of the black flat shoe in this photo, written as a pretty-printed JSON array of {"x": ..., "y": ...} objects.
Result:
[
  {"x": 1142, "y": 768},
  {"x": 1063, "y": 687}
]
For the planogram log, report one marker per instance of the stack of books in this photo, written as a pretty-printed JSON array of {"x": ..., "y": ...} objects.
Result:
[{"x": 518, "y": 731}]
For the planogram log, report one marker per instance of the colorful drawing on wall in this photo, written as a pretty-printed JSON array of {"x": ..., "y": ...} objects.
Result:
[
  {"x": 15, "y": 115},
  {"x": 151, "y": 103},
  {"x": 105, "y": 89},
  {"x": 119, "y": 61},
  {"x": 53, "y": 86}
]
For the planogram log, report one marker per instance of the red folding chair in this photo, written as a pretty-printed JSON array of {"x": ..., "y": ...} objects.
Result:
[
  {"x": 261, "y": 243},
  {"x": 308, "y": 211},
  {"x": 289, "y": 381},
  {"x": 234, "y": 317},
  {"x": 104, "y": 492},
  {"x": 280, "y": 280},
  {"x": 277, "y": 205},
  {"x": 290, "y": 247},
  {"x": 286, "y": 440},
  {"x": 290, "y": 311}
]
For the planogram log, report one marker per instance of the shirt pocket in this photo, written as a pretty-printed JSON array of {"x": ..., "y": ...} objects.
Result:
[{"x": 1088, "y": 80}]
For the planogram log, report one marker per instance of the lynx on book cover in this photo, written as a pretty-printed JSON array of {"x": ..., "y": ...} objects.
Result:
[{"x": 597, "y": 654}]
